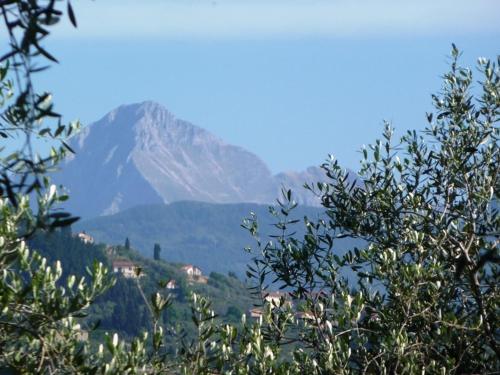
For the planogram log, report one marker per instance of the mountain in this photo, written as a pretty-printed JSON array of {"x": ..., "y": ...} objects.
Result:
[
  {"x": 205, "y": 234},
  {"x": 296, "y": 181},
  {"x": 142, "y": 154}
]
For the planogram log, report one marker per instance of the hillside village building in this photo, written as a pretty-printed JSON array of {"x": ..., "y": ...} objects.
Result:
[
  {"x": 84, "y": 237},
  {"x": 274, "y": 298},
  {"x": 191, "y": 271},
  {"x": 256, "y": 313},
  {"x": 194, "y": 274},
  {"x": 126, "y": 268},
  {"x": 172, "y": 284}
]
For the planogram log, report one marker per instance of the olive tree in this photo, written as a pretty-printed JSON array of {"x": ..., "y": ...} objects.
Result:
[
  {"x": 426, "y": 296},
  {"x": 39, "y": 331}
]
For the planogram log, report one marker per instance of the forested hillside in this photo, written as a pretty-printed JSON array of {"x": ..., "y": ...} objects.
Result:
[
  {"x": 207, "y": 234},
  {"x": 122, "y": 309}
]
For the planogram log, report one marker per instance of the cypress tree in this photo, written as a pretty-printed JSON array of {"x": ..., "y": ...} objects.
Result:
[{"x": 157, "y": 251}]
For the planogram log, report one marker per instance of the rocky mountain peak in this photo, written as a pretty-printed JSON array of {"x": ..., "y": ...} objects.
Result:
[
  {"x": 141, "y": 153},
  {"x": 135, "y": 111}
]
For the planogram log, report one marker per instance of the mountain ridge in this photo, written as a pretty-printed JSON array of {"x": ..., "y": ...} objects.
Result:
[{"x": 141, "y": 153}]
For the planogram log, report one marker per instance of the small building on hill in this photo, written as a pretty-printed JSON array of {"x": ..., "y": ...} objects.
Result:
[
  {"x": 191, "y": 271},
  {"x": 256, "y": 313},
  {"x": 172, "y": 285},
  {"x": 84, "y": 237},
  {"x": 126, "y": 268},
  {"x": 274, "y": 298}
]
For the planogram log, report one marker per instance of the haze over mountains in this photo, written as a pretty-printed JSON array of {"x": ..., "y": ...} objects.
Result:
[
  {"x": 205, "y": 234},
  {"x": 142, "y": 154}
]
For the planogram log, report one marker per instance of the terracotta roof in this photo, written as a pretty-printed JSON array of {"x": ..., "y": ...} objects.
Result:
[{"x": 256, "y": 312}]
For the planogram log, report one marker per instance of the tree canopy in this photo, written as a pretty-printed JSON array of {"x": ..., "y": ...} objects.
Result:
[{"x": 426, "y": 295}]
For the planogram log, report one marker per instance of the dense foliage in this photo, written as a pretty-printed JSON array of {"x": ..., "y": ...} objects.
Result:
[{"x": 427, "y": 206}]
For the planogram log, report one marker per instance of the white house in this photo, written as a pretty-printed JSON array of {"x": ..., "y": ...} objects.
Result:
[
  {"x": 191, "y": 271},
  {"x": 84, "y": 237},
  {"x": 172, "y": 284},
  {"x": 126, "y": 268},
  {"x": 274, "y": 298}
]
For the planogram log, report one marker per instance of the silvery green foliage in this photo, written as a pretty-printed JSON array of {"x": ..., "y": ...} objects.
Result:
[
  {"x": 426, "y": 209},
  {"x": 38, "y": 316}
]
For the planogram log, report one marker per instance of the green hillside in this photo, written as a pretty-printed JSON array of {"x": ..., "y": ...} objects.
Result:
[
  {"x": 122, "y": 309},
  {"x": 207, "y": 235}
]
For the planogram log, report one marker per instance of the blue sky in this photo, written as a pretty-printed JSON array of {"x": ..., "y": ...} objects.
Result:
[{"x": 290, "y": 80}]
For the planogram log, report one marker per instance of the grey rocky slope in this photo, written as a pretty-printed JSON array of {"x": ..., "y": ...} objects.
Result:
[{"x": 141, "y": 154}]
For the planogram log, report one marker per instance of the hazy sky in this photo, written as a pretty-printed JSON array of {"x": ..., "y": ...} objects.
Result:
[{"x": 290, "y": 80}]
